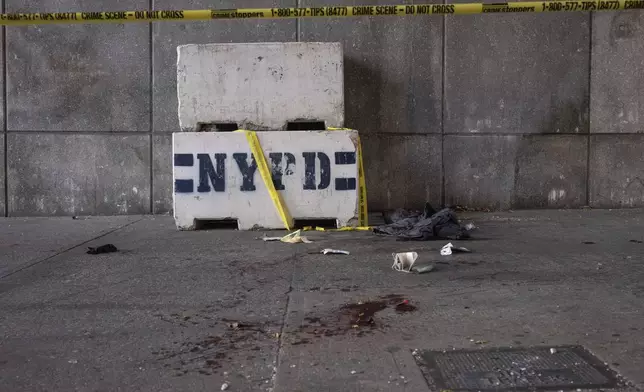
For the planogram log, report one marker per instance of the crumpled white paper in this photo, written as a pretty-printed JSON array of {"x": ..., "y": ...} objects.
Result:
[{"x": 447, "y": 249}]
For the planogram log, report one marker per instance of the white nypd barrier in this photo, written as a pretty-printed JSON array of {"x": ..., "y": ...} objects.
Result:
[{"x": 316, "y": 174}]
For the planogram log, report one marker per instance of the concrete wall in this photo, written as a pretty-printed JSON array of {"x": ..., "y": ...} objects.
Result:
[{"x": 488, "y": 111}]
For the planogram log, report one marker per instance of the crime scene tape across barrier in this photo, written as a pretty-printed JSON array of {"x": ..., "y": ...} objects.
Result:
[
  {"x": 278, "y": 202},
  {"x": 17, "y": 19}
]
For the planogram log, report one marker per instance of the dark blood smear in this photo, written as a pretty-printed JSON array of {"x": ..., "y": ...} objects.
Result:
[
  {"x": 353, "y": 317},
  {"x": 405, "y": 307},
  {"x": 362, "y": 314}
]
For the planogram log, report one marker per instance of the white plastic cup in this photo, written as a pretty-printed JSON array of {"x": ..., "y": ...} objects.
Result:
[{"x": 404, "y": 261}]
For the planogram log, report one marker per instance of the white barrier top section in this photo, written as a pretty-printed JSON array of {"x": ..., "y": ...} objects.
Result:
[{"x": 260, "y": 86}]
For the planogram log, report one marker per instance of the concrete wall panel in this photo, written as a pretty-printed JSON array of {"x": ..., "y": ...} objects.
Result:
[
  {"x": 167, "y": 36},
  {"x": 617, "y": 78},
  {"x": 78, "y": 78},
  {"x": 392, "y": 69},
  {"x": 60, "y": 174},
  {"x": 162, "y": 173},
  {"x": 2, "y": 175},
  {"x": 517, "y": 73},
  {"x": 501, "y": 172},
  {"x": 616, "y": 167},
  {"x": 402, "y": 171},
  {"x": 2, "y": 81},
  {"x": 551, "y": 172}
]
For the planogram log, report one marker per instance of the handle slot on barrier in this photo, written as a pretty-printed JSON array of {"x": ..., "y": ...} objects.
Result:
[
  {"x": 218, "y": 127},
  {"x": 305, "y": 125}
]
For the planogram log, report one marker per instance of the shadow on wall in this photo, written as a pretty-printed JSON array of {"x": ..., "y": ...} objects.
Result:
[
  {"x": 363, "y": 102},
  {"x": 402, "y": 169}
]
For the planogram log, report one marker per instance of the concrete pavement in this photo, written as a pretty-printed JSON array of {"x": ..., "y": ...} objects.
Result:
[{"x": 188, "y": 311}]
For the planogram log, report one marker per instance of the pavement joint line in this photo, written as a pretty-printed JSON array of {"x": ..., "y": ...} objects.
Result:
[
  {"x": 68, "y": 249},
  {"x": 284, "y": 317}
]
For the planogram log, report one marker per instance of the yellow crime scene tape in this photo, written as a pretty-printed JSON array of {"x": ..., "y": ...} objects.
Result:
[
  {"x": 282, "y": 210},
  {"x": 363, "y": 218},
  {"x": 262, "y": 165},
  {"x": 17, "y": 19}
]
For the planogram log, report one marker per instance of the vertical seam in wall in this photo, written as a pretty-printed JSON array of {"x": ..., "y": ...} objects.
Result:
[
  {"x": 5, "y": 120},
  {"x": 590, "y": 78},
  {"x": 298, "y": 26},
  {"x": 151, "y": 125},
  {"x": 443, "y": 60}
]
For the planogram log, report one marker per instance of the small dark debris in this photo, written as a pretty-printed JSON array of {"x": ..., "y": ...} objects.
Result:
[
  {"x": 405, "y": 307},
  {"x": 636, "y": 241},
  {"x": 301, "y": 341},
  {"x": 108, "y": 248},
  {"x": 424, "y": 269},
  {"x": 589, "y": 243},
  {"x": 472, "y": 262},
  {"x": 260, "y": 58},
  {"x": 460, "y": 249},
  {"x": 313, "y": 320},
  {"x": 236, "y": 325}
]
